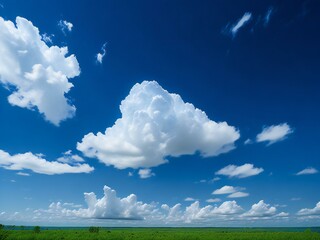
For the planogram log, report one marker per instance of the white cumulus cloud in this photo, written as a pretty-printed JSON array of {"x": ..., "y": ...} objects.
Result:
[
  {"x": 243, "y": 171},
  {"x": 274, "y": 133},
  {"x": 37, "y": 75},
  {"x": 110, "y": 206},
  {"x": 310, "y": 211},
  {"x": 37, "y": 164},
  {"x": 156, "y": 124},
  {"x": 307, "y": 171},
  {"x": 261, "y": 209}
]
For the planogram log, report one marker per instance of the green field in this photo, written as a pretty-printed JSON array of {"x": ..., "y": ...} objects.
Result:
[{"x": 165, "y": 233}]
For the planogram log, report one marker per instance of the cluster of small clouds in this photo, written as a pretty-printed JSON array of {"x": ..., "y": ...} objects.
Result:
[
  {"x": 156, "y": 124},
  {"x": 232, "y": 29},
  {"x": 36, "y": 74},
  {"x": 110, "y": 206},
  {"x": 36, "y": 163},
  {"x": 65, "y": 26}
]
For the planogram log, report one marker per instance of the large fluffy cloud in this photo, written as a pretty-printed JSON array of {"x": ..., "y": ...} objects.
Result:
[
  {"x": 243, "y": 171},
  {"x": 37, "y": 164},
  {"x": 274, "y": 133},
  {"x": 36, "y": 74},
  {"x": 156, "y": 124}
]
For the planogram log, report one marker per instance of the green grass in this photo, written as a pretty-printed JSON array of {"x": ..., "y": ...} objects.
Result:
[{"x": 161, "y": 234}]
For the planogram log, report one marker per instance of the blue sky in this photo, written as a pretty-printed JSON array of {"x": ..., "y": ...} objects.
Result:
[{"x": 219, "y": 118}]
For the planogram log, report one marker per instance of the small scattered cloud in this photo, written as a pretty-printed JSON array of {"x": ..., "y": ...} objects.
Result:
[
  {"x": 1, "y": 5},
  {"x": 243, "y": 171},
  {"x": 268, "y": 15},
  {"x": 274, "y": 133},
  {"x": 189, "y": 199},
  {"x": 213, "y": 200},
  {"x": 23, "y": 174},
  {"x": 13, "y": 181},
  {"x": 310, "y": 211},
  {"x": 37, "y": 164},
  {"x": 238, "y": 195},
  {"x": 65, "y": 26},
  {"x": 145, "y": 173},
  {"x": 248, "y": 141},
  {"x": 42, "y": 77},
  {"x": 307, "y": 171},
  {"x": 215, "y": 179},
  {"x": 101, "y": 54},
  {"x": 234, "y": 192},
  {"x": 234, "y": 28},
  {"x": 226, "y": 190},
  {"x": 156, "y": 124},
  {"x": 70, "y": 158}
]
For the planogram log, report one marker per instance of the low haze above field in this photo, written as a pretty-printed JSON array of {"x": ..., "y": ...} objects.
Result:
[{"x": 160, "y": 113}]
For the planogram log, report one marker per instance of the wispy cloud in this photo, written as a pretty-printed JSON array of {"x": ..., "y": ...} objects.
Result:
[
  {"x": 274, "y": 133},
  {"x": 243, "y": 171},
  {"x": 213, "y": 200},
  {"x": 37, "y": 164},
  {"x": 47, "y": 37},
  {"x": 307, "y": 171},
  {"x": 189, "y": 199},
  {"x": 234, "y": 28},
  {"x": 23, "y": 174},
  {"x": 101, "y": 54},
  {"x": 238, "y": 195},
  {"x": 268, "y": 15},
  {"x": 226, "y": 190},
  {"x": 65, "y": 26}
]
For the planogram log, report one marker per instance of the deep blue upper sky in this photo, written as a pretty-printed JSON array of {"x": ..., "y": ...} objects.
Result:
[{"x": 266, "y": 74}]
